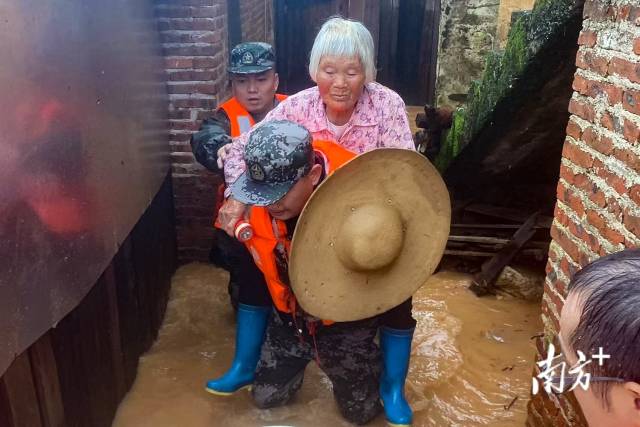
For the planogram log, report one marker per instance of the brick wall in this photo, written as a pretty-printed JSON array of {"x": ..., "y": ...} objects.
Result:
[
  {"x": 194, "y": 38},
  {"x": 598, "y": 194}
]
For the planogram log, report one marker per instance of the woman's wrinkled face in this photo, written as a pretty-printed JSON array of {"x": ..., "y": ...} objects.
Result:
[{"x": 340, "y": 80}]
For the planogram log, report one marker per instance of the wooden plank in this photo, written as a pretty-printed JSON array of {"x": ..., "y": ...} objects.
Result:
[
  {"x": 83, "y": 353},
  {"x": 234, "y": 25},
  {"x": 114, "y": 325},
  {"x": 484, "y": 280},
  {"x": 20, "y": 394},
  {"x": 506, "y": 213},
  {"x": 454, "y": 252},
  {"x": 146, "y": 244},
  {"x": 479, "y": 239},
  {"x": 411, "y": 65},
  {"x": 388, "y": 41},
  {"x": 128, "y": 311},
  {"x": 367, "y": 12},
  {"x": 281, "y": 44},
  {"x": 149, "y": 238},
  {"x": 45, "y": 375},
  {"x": 5, "y": 410},
  {"x": 429, "y": 50},
  {"x": 533, "y": 253},
  {"x": 496, "y": 226},
  {"x": 356, "y": 10},
  {"x": 372, "y": 19},
  {"x": 149, "y": 248}
]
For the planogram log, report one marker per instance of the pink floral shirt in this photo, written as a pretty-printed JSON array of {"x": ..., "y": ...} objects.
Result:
[{"x": 378, "y": 120}]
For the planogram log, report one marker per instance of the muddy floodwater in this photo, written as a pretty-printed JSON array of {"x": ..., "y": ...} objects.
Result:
[{"x": 471, "y": 358}]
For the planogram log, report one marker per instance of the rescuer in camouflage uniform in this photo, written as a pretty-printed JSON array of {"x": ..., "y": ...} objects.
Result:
[{"x": 253, "y": 86}]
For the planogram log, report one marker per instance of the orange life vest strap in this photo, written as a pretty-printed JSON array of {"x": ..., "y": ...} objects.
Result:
[
  {"x": 268, "y": 233},
  {"x": 239, "y": 118}
]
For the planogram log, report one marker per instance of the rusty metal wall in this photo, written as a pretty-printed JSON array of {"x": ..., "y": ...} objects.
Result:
[{"x": 83, "y": 150}]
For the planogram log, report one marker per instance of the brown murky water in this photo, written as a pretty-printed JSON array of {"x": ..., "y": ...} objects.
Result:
[{"x": 471, "y": 358}]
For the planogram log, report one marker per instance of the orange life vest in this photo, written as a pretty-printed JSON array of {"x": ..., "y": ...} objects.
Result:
[
  {"x": 269, "y": 232},
  {"x": 241, "y": 121}
]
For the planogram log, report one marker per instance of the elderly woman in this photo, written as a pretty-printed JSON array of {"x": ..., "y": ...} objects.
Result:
[{"x": 347, "y": 106}]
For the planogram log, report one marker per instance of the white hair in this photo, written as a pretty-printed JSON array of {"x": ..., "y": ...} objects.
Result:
[{"x": 343, "y": 37}]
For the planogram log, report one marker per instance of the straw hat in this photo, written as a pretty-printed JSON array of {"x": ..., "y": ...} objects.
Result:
[{"x": 369, "y": 236}]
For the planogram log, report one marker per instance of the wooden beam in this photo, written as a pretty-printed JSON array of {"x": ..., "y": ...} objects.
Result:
[
  {"x": 388, "y": 40},
  {"x": 496, "y": 226},
  {"x": 484, "y": 280},
  {"x": 356, "y": 10},
  {"x": 45, "y": 375},
  {"x": 109, "y": 277},
  {"x": 468, "y": 253},
  {"x": 20, "y": 394},
  {"x": 535, "y": 253},
  {"x": 479, "y": 239},
  {"x": 506, "y": 213},
  {"x": 234, "y": 25},
  {"x": 429, "y": 51}
]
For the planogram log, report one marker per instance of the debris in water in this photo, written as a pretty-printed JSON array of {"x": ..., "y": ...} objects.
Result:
[
  {"x": 507, "y": 407},
  {"x": 493, "y": 336}
]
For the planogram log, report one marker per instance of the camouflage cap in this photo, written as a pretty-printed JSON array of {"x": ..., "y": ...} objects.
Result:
[
  {"x": 277, "y": 155},
  {"x": 251, "y": 57}
]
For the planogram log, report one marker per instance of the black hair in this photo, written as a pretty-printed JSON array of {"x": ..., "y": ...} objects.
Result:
[{"x": 609, "y": 294}]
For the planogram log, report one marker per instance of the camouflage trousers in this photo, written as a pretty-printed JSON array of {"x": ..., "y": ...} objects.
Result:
[{"x": 347, "y": 354}]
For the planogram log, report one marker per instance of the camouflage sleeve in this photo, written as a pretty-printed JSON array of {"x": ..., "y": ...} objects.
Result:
[{"x": 213, "y": 134}]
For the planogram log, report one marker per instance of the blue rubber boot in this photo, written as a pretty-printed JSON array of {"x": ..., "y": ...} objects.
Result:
[
  {"x": 396, "y": 349},
  {"x": 250, "y": 330}
]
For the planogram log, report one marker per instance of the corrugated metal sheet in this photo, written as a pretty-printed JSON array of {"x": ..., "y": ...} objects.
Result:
[{"x": 83, "y": 150}]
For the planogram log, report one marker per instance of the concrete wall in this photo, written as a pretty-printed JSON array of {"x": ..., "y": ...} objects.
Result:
[
  {"x": 598, "y": 194},
  {"x": 194, "y": 35},
  {"x": 467, "y": 34},
  {"x": 469, "y": 29}
]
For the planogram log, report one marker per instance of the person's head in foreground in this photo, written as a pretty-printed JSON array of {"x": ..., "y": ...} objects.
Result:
[
  {"x": 602, "y": 309},
  {"x": 341, "y": 62},
  {"x": 253, "y": 78},
  {"x": 281, "y": 170}
]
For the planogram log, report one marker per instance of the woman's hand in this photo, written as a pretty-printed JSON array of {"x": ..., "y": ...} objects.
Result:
[
  {"x": 223, "y": 152},
  {"x": 229, "y": 214}
]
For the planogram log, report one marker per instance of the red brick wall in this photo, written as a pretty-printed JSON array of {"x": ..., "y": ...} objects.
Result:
[
  {"x": 194, "y": 38},
  {"x": 598, "y": 206}
]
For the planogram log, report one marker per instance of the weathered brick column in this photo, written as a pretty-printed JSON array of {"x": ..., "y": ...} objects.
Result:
[
  {"x": 598, "y": 194},
  {"x": 194, "y": 37}
]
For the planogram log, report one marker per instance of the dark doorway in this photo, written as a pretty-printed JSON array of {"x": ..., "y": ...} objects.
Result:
[
  {"x": 297, "y": 23},
  {"x": 408, "y": 48},
  {"x": 405, "y": 33}
]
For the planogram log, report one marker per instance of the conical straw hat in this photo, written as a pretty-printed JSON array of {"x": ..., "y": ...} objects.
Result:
[{"x": 369, "y": 236}]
